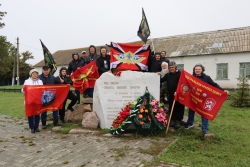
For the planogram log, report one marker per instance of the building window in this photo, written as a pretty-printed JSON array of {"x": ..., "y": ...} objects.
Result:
[
  {"x": 245, "y": 70},
  {"x": 222, "y": 71},
  {"x": 180, "y": 67}
]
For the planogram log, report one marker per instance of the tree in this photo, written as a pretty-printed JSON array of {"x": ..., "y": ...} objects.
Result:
[
  {"x": 242, "y": 96},
  {"x": 2, "y": 14}
]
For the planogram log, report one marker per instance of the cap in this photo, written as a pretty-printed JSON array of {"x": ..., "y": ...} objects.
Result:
[
  {"x": 84, "y": 51},
  {"x": 45, "y": 67},
  {"x": 33, "y": 70}
]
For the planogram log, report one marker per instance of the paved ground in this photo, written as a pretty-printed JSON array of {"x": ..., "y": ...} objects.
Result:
[{"x": 18, "y": 147}]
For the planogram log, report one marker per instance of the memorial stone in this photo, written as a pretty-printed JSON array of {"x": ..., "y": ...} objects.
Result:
[{"x": 111, "y": 93}]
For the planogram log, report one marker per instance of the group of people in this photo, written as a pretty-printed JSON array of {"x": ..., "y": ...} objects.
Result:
[
  {"x": 102, "y": 62},
  {"x": 158, "y": 63},
  {"x": 171, "y": 79},
  {"x": 44, "y": 79}
]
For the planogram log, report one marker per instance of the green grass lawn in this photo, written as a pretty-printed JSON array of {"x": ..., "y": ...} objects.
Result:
[
  {"x": 12, "y": 87},
  {"x": 230, "y": 147}
]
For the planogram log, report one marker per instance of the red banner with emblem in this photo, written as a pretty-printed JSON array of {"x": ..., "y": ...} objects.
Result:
[
  {"x": 204, "y": 99},
  {"x": 42, "y": 98},
  {"x": 85, "y": 77},
  {"x": 129, "y": 56}
]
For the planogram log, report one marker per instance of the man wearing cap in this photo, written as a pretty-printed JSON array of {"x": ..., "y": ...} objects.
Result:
[
  {"x": 33, "y": 80},
  {"x": 84, "y": 57},
  {"x": 47, "y": 78},
  {"x": 172, "y": 79}
]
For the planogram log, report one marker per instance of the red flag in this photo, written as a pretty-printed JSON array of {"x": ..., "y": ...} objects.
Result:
[
  {"x": 43, "y": 98},
  {"x": 85, "y": 77},
  {"x": 201, "y": 97},
  {"x": 129, "y": 56}
]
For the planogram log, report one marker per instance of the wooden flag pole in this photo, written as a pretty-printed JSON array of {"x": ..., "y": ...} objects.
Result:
[
  {"x": 170, "y": 116},
  {"x": 152, "y": 43}
]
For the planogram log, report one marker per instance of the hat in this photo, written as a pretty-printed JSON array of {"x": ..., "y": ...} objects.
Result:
[
  {"x": 33, "y": 70},
  {"x": 45, "y": 67},
  {"x": 84, "y": 52}
]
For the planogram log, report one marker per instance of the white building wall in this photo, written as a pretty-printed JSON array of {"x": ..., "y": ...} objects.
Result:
[{"x": 210, "y": 61}]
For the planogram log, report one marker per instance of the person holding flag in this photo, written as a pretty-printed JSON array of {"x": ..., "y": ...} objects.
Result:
[
  {"x": 198, "y": 72},
  {"x": 33, "y": 80},
  {"x": 76, "y": 63},
  {"x": 172, "y": 79}
]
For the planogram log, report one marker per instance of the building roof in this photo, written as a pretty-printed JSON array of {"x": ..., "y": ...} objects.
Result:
[{"x": 203, "y": 43}]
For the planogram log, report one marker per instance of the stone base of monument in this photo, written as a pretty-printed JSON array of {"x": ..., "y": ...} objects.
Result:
[
  {"x": 87, "y": 100},
  {"x": 77, "y": 115}
]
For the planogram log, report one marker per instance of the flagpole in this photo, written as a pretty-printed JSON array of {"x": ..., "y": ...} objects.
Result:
[
  {"x": 152, "y": 43},
  {"x": 170, "y": 116}
]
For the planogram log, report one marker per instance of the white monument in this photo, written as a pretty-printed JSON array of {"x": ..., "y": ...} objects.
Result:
[{"x": 111, "y": 93}]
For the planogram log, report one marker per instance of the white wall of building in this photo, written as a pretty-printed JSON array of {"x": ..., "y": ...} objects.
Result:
[{"x": 210, "y": 61}]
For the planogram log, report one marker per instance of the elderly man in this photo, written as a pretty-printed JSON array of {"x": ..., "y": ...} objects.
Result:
[
  {"x": 172, "y": 79},
  {"x": 163, "y": 90}
]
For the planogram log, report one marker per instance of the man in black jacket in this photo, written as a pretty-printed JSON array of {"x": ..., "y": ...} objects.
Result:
[
  {"x": 103, "y": 61},
  {"x": 155, "y": 63},
  {"x": 172, "y": 79},
  {"x": 64, "y": 79},
  {"x": 47, "y": 78},
  {"x": 76, "y": 63}
]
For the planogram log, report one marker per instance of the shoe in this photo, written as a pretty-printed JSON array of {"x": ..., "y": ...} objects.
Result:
[
  {"x": 188, "y": 126},
  {"x": 208, "y": 135},
  {"x": 32, "y": 130},
  {"x": 37, "y": 130},
  {"x": 44, "y": 124},
  {"x": 70, "y": 108},
  {"x": 177, "y": 124},
  {"x": 55, "y": 122},
  {"x": 85, "y": 96},
  {"x": 78, "y": 102},
  {"x": 172, "y": 123}
]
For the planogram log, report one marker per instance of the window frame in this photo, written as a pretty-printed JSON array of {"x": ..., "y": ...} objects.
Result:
[
  {"x": 221, "y": 69},
  {"x": 243, "y": 69}
]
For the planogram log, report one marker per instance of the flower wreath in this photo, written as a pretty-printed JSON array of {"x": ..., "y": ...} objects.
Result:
[{"x": 146, "y": 112}]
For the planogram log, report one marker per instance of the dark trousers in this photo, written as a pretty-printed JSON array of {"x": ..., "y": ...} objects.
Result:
[
  {"x": 178, "y": 110},
  {"x": 89, "y": 92},
  {"x": 73, "y": 99},
  {"x": 77, "y": 95},
  {"x": 34, "y": 121}
]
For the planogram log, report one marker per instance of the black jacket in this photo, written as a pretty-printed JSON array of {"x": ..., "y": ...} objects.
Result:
[
  {"x": 74, "y": 64},
  {"x": 47, "y": 80},
  {"x": 90, "y": 58},
  {"x": 67, "y": 80},
  {"x": 154, "y": 65},
  {"x": 207, "y": 79},
  {"x": 164, "y": 59},
  {"x": 172, "y": 80},
  {"x": 100, "y": 64}
]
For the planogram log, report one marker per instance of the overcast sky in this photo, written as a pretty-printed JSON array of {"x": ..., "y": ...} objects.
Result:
[{"x": 69, "y": 24}]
